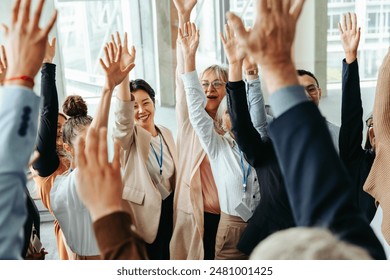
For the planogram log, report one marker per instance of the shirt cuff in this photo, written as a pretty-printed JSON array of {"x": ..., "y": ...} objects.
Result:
[{"x": 286, "y": 98}]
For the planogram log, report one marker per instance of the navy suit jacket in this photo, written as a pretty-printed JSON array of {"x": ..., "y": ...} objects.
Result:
[
  {"x": 19, "y": 108},
  {"x": 319, "y": 188}
]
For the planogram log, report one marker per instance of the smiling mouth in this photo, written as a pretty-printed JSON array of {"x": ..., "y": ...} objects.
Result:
[
  {"x": 143, "y": 118},
  {"x": 212, "y": 97}
]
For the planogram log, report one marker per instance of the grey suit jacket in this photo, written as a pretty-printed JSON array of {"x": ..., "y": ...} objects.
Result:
[{"x": 19, "y": 108}]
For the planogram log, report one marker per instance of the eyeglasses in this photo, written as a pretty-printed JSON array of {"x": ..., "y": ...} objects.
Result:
[
  {"x": 215, "y": 84},
  {"x": 369, "y": 122},
  {"x": 311, "y": 89}
]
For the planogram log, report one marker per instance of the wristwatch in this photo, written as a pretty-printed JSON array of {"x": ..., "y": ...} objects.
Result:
[{"x": 251, "y": 72}]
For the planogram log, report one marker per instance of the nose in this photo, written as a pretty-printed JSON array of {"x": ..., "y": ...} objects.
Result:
[{"x": 140, "y": 109}]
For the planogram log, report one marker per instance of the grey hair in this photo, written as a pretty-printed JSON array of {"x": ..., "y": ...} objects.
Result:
[
  {"x": 304, "y": 243},
  {"x": 222, "y": 108}
]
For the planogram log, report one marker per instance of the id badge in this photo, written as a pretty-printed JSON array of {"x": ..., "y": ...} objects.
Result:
[
  {"x": 243, "y": 211},
  {"x": 163, "y": 191}
]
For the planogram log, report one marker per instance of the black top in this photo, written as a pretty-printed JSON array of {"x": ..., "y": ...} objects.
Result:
[
  {"x": 319, "y": 188},
  {"x": 48, "y": 160},
  {"x": 357, "y": 160},
  {"x": 273, "y": 212}
]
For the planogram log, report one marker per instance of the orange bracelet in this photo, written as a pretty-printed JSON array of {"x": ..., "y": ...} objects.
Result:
[{"x": 24, "y": 78}]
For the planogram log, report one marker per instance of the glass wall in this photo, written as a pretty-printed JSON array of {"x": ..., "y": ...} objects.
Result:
[{"x": 374, "y": 20}]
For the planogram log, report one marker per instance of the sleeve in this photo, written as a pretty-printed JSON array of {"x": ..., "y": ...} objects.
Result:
[
  {"x": 317, "y": 199},
  {"x": 256, "y": 107},
  {"x": 116, "y": 240},
  {"x": 48, "y": 160},
  {"x": 350, "y": 138},
  {"x": 202, "y": 123},
  {"x": 19, "y": 108},
  {"x": 124, "y": 123},
  {"x": 255, "y": 149},
  {"x": 181, "y": 102}
]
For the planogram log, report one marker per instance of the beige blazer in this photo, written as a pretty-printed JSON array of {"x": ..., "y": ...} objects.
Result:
[
  {"x": 142, "y": 196},
  {"x": 188, "y": 223}
]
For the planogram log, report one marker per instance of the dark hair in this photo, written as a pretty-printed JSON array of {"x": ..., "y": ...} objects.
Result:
[
  {"x": 140, "y": 84},
  {"x": 75, "y": 107},
  {"x": 302, "y": 72}
]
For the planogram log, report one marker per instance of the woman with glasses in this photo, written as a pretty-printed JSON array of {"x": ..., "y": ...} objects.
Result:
[
  {"x": 357, "y": 160},
  {"x": 196, "y": 204},
  {"x": 238, "y": 187}
]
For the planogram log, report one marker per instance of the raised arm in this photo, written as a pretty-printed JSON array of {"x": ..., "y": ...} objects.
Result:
[
  {"x": 202, "y": 123},
  {"x": 184, "y": 9},
  {"x": 255, "y": 97},
  {"x": 48, "y": 160},
  {"x": 115, "y": 72},
  {"x": 247, "y": 137},
  {"x": 124, "y": 112},
  {"x": 350, "y": 138}
]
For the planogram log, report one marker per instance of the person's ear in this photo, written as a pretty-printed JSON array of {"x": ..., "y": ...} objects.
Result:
[
  {"x": 68, "y": 149},
  {"x": 319, "y": 93}
]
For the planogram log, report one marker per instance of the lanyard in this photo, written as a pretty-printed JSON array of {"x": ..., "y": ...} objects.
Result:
[
  {"x": 160, "y": 162},
  {"x": 245, "y": 175}
]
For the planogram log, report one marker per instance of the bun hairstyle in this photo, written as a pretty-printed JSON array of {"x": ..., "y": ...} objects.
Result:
[
  {"x": 76, "y": 108},
  {"x": 140, "y": 84}
]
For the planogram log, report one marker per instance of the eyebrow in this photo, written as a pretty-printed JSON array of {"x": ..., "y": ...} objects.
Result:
[{"x": 212, "y": 81}]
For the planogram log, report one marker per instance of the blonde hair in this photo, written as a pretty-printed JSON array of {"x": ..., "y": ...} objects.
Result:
[
  {"x": 220, "y": 71},
  {"x": 304, "y": 243}
]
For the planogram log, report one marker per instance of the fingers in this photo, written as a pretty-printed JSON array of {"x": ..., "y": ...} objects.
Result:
[
  {"x": 344, "y": 22},
  {"x": 53, "y": 42},
  {"x": 116, "y": 165},
  {"x": 111, "y": 52},
  {"x": 3, "y": 61},
  {"x": 51, "y": 23},
  {"x": 341, "y": 29},
  {"x": 125, "y": 44},
  {"x": 238, "y": 26},
  {"x": 107, "y": 54},
  {"x": 128, "y": 68},
  {"x": 25, "y": 12},
  {"x": 118, "y": 54},
  {"x": 5, "y": 28},
  {"x": 81, "y": 159},
  {"x": 37, "y": 15},
  {"x": 104, "y": 66},
  {"x": 349, "y": 21},
  {"x": 15, "y": 12},
  {"x": 92, "y": 145},
  {"x": 102, "y": 148},
  {"x": 354, "y": 21},
  {"x": 133, "y": 51},
  {"x": 297, "y": 8}
]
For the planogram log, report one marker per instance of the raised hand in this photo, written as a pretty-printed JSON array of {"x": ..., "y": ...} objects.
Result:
[
  {"x": 189, "y": 39},
  {"x": 50, "y": 51},
  {"x": 270, "y": 40},
  {"x": 3, "y": 65},
  {"x": 349, "y": 36},
  {"x": 233, "y": 53},
  {"x": 99, "y": 182},
  {"x": 114, "y": 71},
  {"x": 26, "y": 42},
  {"x": 128, "y": 57}
]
